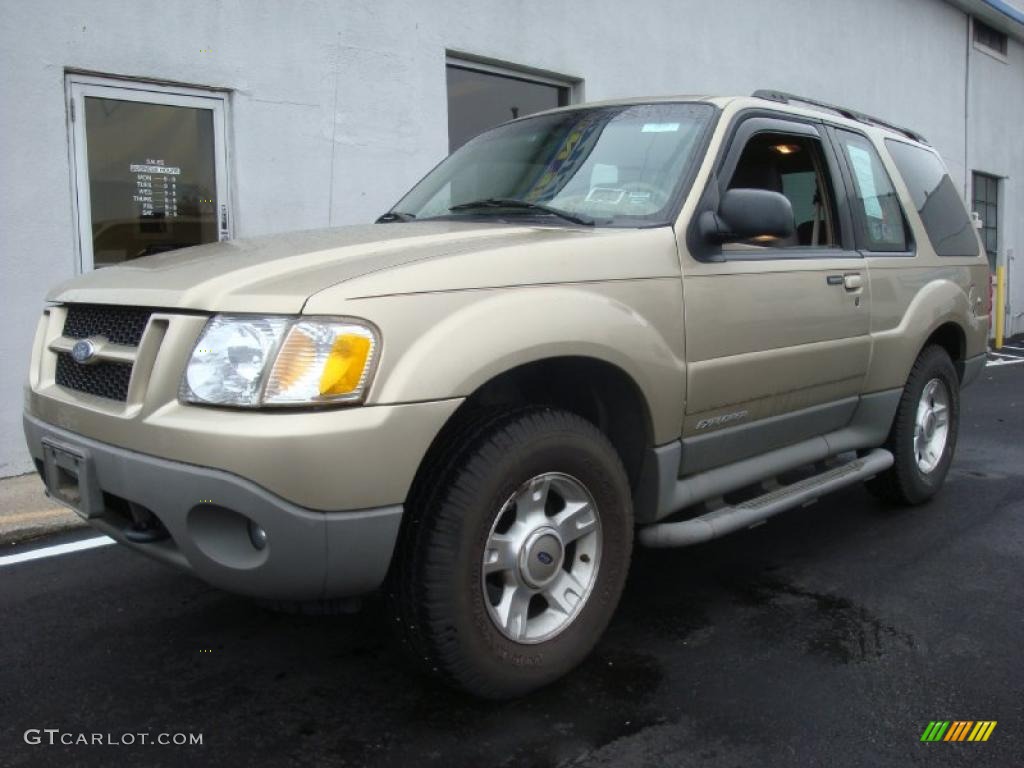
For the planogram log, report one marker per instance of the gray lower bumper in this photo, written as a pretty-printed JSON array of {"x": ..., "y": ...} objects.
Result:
[{"x": 308, "y": 554}]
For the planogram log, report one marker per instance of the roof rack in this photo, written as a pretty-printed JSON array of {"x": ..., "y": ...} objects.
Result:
[{"x": 785, "y": 98}]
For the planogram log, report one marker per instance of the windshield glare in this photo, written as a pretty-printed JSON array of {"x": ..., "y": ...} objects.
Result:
[{"x": 618, "y": 165}]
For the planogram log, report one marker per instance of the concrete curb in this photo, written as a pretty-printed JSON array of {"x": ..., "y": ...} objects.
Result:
[{"x": 26, "y": 512}]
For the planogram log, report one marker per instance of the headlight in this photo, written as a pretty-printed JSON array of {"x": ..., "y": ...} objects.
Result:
[
  {"x": 252, "y": 361},
  {"x": 228, "y": 361}
]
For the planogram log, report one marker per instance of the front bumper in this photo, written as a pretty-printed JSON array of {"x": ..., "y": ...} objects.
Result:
[
  {"x": 324, "y": 459},
  {"x": 308, "y": 554}
]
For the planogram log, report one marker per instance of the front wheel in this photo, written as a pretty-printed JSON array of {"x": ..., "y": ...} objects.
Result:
[
  {"x": 514, "y": 556},
  {"x": 924, "y": 431}
]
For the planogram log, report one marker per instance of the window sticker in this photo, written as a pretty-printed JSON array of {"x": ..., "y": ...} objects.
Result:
[
  {"x": 660, "y": 128},
  {"x": 861, "y": 161},
  {"x": 604, "y": 175}
]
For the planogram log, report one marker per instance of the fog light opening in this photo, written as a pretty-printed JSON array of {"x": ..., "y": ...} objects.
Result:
[{"x": 257, "y": 535}]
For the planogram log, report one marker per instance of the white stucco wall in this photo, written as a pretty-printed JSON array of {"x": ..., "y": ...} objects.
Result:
[
  {"x": 337, "y": 106},
  {"x": 996, "y": 146}
]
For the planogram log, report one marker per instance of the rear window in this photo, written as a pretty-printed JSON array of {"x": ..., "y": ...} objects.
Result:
[{"x": 942, "y": 211}]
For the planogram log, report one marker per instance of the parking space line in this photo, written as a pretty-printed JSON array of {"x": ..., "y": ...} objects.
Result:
[{"x": 57, "y": 549}]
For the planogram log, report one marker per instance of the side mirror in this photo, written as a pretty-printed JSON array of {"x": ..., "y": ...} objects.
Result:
[{"x": 744, "y": 214}]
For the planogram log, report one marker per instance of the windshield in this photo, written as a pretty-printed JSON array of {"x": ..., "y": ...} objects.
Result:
[{"x": 621, "y": 166}]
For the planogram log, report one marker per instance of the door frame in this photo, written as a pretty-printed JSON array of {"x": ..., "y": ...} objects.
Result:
[
  {"x": 774, "y": 421},
  {"x": 78, "y": 86}
]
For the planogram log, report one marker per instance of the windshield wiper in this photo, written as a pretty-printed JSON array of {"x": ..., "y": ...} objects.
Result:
[
  {"x": 391, "y": 216},
  {"x": 511, "y": 202}
]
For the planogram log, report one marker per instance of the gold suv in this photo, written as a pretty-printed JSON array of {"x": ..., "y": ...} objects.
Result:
[{"x": 584, "y": 326}]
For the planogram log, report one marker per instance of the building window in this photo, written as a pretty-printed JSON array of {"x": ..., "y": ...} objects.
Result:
[
  {"x": 986, "y": 205},
  {"x": 481, "y": 96},
  {"x": 992, "y": 40},
  {"x": 149, "y": 168}
]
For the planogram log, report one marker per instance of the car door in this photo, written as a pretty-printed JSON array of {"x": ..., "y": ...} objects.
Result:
[{"x": 777, "y": 331}]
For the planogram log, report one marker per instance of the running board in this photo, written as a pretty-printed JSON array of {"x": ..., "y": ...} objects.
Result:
[{"x": 732, "y": 518}]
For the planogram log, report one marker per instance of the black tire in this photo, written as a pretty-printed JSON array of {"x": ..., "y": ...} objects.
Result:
[
  {"x": 904, "y": 482},
  {"x": 435, "y": 586}
]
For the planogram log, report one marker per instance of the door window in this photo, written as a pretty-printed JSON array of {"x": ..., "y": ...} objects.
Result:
[
  {"x": 149, "y": 171},
  {"x": 794, "y": 166}
]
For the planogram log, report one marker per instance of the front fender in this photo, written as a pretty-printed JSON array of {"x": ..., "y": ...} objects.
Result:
[{"x": 443, "y": 345}]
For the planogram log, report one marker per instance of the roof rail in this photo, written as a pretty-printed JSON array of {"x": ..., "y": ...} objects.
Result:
[{"x": 786, "y": 98}]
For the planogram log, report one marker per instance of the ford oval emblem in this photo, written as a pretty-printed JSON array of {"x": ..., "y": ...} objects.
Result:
[
  {"x": 83, "y": 351},
  {"x": 545, "y": 558}
]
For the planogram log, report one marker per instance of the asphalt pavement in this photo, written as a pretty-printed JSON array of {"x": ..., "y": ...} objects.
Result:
[{"x": 830, "y": 636}]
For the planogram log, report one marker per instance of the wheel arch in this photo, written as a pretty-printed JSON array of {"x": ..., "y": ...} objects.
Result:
[
  {"x": 592, "y": 388},
  {"x": 951, "y": 336}
]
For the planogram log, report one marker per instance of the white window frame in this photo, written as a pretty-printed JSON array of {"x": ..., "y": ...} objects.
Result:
[{"x": 78, "y": 86}]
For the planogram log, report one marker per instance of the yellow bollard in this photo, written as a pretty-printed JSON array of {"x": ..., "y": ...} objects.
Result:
[{"x": 1000, "y": 304}]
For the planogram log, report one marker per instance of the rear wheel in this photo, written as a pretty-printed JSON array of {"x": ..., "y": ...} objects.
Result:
[
  {"x": 515, "y": 554},
  {"x": 924, "y": 431}
]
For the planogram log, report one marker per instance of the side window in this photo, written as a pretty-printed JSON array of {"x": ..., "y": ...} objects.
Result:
[
  {"x": 794, "y": 166},
  {"x": 875, "y": 205},
  {"x": 942, "y": 211}
]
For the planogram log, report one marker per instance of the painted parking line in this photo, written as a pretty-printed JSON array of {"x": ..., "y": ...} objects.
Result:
[
  {"x": 1008, "y": 354},
  {"x": 55, "y": 550}
]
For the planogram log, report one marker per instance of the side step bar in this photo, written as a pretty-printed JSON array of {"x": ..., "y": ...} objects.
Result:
[{"x": 728, "y": 519}]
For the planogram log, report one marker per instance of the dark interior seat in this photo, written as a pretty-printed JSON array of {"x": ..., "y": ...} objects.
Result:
[{"x": 805, "y": 231}]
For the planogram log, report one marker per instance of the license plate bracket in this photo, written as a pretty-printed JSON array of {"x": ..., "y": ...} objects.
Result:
[{"x": 70, "y": 478}]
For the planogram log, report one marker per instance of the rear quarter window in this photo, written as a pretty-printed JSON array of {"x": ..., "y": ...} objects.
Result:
[
  {"x": 938, "y": 203},
  {"x": 876, "y": 208}
]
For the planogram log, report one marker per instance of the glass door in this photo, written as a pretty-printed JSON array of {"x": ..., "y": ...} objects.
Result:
[{"x": 150, "y": 168}]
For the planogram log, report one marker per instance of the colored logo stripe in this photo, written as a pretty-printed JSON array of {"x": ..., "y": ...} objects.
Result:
[
  {"x": 958, "y": 730},
  {"x": 935, "y": 730},
  {"x": 982, "y": 730}
]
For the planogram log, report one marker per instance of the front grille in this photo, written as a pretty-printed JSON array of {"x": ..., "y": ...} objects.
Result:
[
  {"x": 120, "y": 325},
  {"x": 104, "y": 379}
]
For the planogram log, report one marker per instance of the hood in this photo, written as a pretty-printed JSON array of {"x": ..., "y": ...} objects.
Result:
[{"x": 279, "y": 273}]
